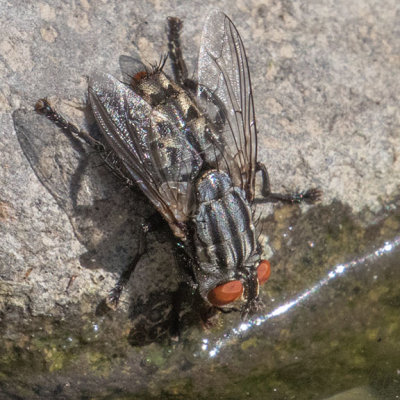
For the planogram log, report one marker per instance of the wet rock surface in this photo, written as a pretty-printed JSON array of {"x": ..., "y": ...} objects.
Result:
[{"x": 326, "y": 86}]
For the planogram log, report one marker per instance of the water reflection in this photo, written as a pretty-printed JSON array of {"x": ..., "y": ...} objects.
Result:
[{"x": 338, "y": 270}]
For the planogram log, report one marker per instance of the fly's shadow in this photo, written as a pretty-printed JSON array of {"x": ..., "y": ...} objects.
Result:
[
  {"x": 106, "y": 216},
  {"x": 103, "y": 213}
]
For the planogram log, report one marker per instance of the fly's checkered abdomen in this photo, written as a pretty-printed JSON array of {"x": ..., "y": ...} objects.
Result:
[{"x": 171, "y": 101}]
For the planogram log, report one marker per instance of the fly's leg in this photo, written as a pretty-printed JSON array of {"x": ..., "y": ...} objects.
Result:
[
  {"x": 309, "y": 196},
  {"x": 179, "y": 68},
  {"x": 115, "y": 293},
  {"x": 174, "y": 50},
  {"x": 153, "y": 223},
  {"x": 187, "y": 291},
  {"x": 42, "y": 106},
  {"x": 187, "y": 264},
  {"x": 178, "y": 299},
  {"x": 253, "y": 303}
]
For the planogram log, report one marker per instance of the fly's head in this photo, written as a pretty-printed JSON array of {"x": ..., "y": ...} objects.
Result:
[{"x": 234, "y": 290}]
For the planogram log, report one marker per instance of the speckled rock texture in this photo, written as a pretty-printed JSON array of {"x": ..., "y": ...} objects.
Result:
[{"x": 326, "y": 83}]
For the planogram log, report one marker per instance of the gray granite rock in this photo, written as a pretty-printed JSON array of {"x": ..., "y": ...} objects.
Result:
[{"x": 326, "y": 81}]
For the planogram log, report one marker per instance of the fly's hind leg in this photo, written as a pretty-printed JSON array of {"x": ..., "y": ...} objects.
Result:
[
  {"x": 179, "y": 68},
  {"x": 309, "y": 196},
  {"x": 42, "y": 106},
  {"x": 174, "y": 50}
]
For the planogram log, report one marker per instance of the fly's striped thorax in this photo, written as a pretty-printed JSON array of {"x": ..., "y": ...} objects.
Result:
[{"x": 225, "y": 235}]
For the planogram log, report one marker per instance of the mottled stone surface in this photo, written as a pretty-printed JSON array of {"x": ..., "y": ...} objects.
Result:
[{"x": 326, "y": 81}]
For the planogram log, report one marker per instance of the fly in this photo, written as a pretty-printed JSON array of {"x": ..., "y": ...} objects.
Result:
[{"x": 191, "y": 147}]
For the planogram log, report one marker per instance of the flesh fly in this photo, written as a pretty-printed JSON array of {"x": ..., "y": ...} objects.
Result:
[{"x": 191, "y": 146}]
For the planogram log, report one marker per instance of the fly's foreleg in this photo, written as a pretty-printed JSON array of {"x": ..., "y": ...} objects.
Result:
[
  {"x": 153, "y": 223},
  {"x": 115, "y": 293},
  {"x": 309, "y": 196}
]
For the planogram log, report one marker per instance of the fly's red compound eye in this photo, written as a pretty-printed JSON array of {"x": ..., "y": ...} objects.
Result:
[
  {"x": 263, "y": 271},
  {"x": 225, "y": 293}
]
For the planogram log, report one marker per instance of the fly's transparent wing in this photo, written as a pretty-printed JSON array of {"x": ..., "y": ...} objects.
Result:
[
  {"x": 154, "y": 151},
  {"x": 224, "y": 80}
]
